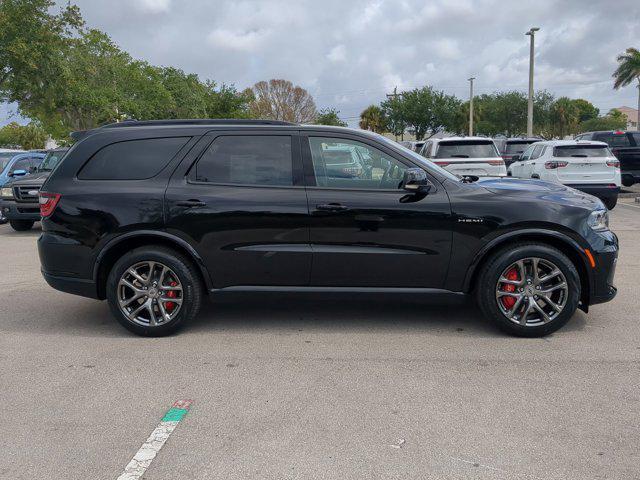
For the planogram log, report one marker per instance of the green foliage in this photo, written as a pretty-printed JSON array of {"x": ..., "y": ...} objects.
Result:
[
  {"x": 586, "y": 110},
  {"x": 372, "y": 118},
  {"x": 565, "y": 117},
  {"x": 608, "y": 122},
  {"x": 27, "y": 137},
  {"x": 329, "y": 116},
  {"x": 628, "y": 68}
]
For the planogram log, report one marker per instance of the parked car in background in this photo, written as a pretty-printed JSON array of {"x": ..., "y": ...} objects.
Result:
[
  {"x": 19, "y": 197},
  {"x": 465, "y": 156},
  {"x": 15, "y": 164},
  {"x": 515, "y": 146},
  {"x": 587, "y": 166},
  {"x": 153, "y": 216},
  {"x": 413, "y": 145},
  {"x": 625, "y": 146}
]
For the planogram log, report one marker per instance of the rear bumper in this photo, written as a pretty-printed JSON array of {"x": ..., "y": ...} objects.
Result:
[
  {"x": 597, "y": 190},
  {"x": 75, "y": 286},
  {"x": 20, "y": 211}
]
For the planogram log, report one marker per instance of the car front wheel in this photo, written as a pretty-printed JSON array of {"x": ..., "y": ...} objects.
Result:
[
  {"x": 529, "y": 289},
  {"x": 153, "y": 291}
]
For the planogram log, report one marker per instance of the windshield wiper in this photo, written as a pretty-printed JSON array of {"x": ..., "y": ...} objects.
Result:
[
  {"x": 459, "y": 156},
  {"x": 580, "y": 156}
]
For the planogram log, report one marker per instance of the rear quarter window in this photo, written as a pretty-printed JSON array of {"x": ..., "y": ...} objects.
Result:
[
  {"x": 581, "y": 151},
  {"x": 132, "y": 159}
]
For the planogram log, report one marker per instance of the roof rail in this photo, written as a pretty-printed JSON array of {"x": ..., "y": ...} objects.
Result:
[
  {"x": 196, "y": 121},
  {"x": 193, "y": 121}
]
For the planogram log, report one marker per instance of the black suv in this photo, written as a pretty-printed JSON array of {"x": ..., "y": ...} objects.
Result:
[
  {"x": 155, "y": 215},
  {"x": 625, "y": 146}
]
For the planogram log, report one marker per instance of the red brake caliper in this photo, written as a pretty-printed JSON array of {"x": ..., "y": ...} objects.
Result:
[
  {"x": 169, "y": 306},
  {"x": 507, "y": 301}
]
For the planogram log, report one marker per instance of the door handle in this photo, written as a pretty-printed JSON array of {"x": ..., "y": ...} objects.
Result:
[
  {"x": 191, "y": 203},
  {"x": 332, "y": 207}
]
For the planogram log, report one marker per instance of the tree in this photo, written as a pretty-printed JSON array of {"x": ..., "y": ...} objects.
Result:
[
  {"x": 329, "y": 116},
  {"x": 565, "y": 117},
  {"x": 502, "y": 112},
  {"x": 27, "y": 137},
  {"x": 226, "y": 102},
  {"x": 614, "y": 120},
  {"x": 279, "y": 99},
  {"x": 462, "y": 118},
  {"x": 586, "y": 110},
  {"x": 394, "y": 114},
  {"x": 372, "y": 118},
  {"x": 628, "y": 70}
]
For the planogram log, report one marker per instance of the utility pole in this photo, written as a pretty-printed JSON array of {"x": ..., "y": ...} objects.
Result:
[
  {"x": 532, "y": 33},
  {"x": 393, "y": 96},
  {"x": 471, "y": 105}
]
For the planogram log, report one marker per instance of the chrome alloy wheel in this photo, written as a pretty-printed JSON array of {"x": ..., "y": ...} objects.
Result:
[
  {"x": 150, "y": 294},
  {"x": 532, "y": 291}
]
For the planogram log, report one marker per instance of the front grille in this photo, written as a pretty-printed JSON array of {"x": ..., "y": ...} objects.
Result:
[{"x": 26, "y": 193}]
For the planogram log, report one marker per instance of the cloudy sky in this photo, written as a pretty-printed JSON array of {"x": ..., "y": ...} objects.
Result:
[{"x": 349, "y": 53}]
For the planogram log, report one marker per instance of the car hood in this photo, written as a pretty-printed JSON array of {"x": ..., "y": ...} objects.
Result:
[{"x": 541, "y": 190}]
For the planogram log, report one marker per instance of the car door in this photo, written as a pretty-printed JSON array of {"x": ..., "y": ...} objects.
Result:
[
  {"x": 517, "y": 167},
  {"x": 241, "y": 203},
  {"x": 533, "y": 163},
  {"x": 367, "y": 232}
]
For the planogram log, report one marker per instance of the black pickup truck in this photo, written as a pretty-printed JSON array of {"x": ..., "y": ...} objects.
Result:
[
  {"x": 19, "y": 203},
  {"x": 626, "y": 147}
]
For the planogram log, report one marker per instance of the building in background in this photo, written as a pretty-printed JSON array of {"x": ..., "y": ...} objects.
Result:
[{"x": 632, "y": 117}]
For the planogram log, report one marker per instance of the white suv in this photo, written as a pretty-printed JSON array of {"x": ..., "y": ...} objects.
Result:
[
  {"x": 584, "y": 165},
  {"x": 465, "y": 156}
]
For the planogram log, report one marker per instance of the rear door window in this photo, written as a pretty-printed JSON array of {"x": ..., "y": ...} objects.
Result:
[
  {"x": 247, "y": 160},
  {"x": 537, "y": 151},
  {"x": 581, "y": 151},
  {"x": 612, "y": 139},
  {"x": 132, "y": 159},
  {"x": 516, "y": 148},
  {"x": 466, "y": 149}
]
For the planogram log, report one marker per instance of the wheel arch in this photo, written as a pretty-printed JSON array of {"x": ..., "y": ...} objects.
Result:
[
  {"x": 562, "y": 242},
  {"x": 117, "y": 247}
]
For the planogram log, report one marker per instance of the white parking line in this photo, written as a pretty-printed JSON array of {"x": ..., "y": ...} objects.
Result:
[
  {"x": 629, "y": 205},
  {"x": 143, "y": 457}
]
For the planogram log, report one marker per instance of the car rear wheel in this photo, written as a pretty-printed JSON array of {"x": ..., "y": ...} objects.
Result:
[
  {"x": 21, "y": 225},
  {"x": 153, "y": 291},
  {"x": 529, "y": 290}
]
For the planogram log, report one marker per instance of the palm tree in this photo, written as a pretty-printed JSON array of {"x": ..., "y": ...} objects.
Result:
[
  {"x": 372, "y": 118},
  {"x": 628, "y": 70}
]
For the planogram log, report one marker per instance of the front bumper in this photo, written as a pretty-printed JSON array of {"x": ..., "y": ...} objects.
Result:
[
  {"x": 12, "y": 210},
  {"x": 602, "y": 275}
]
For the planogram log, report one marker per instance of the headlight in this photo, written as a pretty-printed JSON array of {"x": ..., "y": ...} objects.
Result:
[
  {"x": 599, "y": 220},
  {"x": 6, "y": 193}
]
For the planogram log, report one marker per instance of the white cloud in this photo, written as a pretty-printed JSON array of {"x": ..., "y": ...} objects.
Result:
[
  {"x": 247, "y": 41},
  {"x": 337, "y": 54},
  {"x": 154, "y": 6}
]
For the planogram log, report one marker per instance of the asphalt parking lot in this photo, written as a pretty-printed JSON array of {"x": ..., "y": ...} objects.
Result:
[{"x": 316, "y": 386}]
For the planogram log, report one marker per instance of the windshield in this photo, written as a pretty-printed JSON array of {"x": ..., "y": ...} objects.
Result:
[
  {"x": 419, "y": 159},
  {"x": 50, "y": 161},
  {"x": 515, "y": 148},
  {"x": 4, "y": 160},
  {"x": 582, "y": 151},
  {"x": 466, "y": 149}
]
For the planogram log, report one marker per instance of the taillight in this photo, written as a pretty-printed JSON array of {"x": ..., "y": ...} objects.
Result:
[
  {"x": 48, "y": 202},
  {"x": 442, "y": 164},
  {"x": 613, "y": 163},
  {"x": 496, "y": 163},
  {"x": 553, "y": 164}
]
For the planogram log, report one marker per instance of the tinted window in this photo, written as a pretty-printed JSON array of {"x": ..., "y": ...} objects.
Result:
[
  {"x": 613, "y": 140},
  {"x": 336, "y": 166},
  {"x": 132, "y": 160},
  {"x": 581, "y": 151},
  {"x": 527, "y": 153},
  {"x": 51, "y": 160},
  {"x": 537, "y": 151},
  {"x": 467, "y": 149},
  {"x": 247, "y": 160},
  {"x": 516, "y": 148},
  {"x": 635, "y": 136}
]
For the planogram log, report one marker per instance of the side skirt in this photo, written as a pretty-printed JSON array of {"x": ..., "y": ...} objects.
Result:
[{"x": 302, "y": 289}]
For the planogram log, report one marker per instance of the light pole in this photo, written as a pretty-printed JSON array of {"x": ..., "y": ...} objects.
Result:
[
  {"x": 532, "y": 34},
  {"x": 471, "y": 105}
]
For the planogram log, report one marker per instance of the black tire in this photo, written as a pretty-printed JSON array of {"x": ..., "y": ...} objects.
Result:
[
  {"x": 610, "y": 202},
  {"x": 21, "y": 225},
  {"x": 183, "y": 268},
  {"x": 499, "y": 261}
]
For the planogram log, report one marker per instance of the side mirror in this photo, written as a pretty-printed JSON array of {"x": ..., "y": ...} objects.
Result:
[
  {"x": 18, "y": 173},
  {"x": 516, "y": 158},
  {"x": 415, "y": 180}
]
